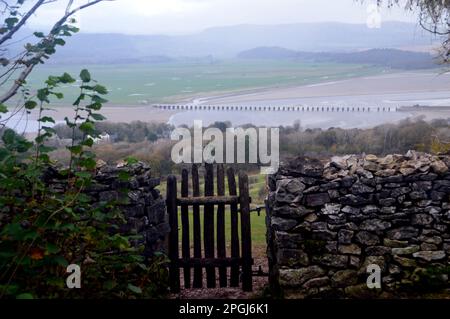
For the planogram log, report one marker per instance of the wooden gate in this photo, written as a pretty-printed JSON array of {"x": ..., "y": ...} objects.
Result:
[{"x": 213, "y": 209}]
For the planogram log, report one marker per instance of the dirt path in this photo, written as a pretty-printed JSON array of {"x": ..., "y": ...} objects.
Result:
[{"x": 259, "y": 284}]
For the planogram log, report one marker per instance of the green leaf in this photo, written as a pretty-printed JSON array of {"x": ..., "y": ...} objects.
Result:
[
  {"x": 60, "y": 41},
  {"x": 45, "y": 119},
  {"x": 77, "y": 149},
  {"x": 44, "y": 158},
  {"x": 131, "y": 160},
  {"x": 3, "y": 154},
  {"x": 79, "y": 99},
  {"x": 7, "y": 254},
  {"x": 60, "y": 260},
  {"x": 39, "y": 34},
  {"x": 89, "y": 142},
  {"x": 98, "y": 99},
  {"x": 40, "y": 139},
  {"x": 52, "y": 81},
  {"x": 46, "y": 149},
  {"x": 134, "y": 289},
  {"x": 66, "y": 78},
  {"x": 30, "y": 235},
  {"x": 25, "y": 296},
  {"x": 10, "y": 289},
  {"x": 73, "y": 29},
  {"x": 94, "y": 106},
  {"x": 3, "y": 108},
  {"x": 52, "y": 248},
  {"x": 87, "y": 127},
  {"x": 85, "y": 76},
  {"x": 42, "y": 95},
  {"x": 58, "y": 95},
  {"x": 9, "y": 136},
  {"x": 98, "y": 117},
  {"x": 49, "y": 50},
  {"x": 88, "y": 163},
  {"x": 49, "y": 130},
  {"x": 4, "y": 61},
  {"x": 10, "y": 22},
  {"x": 29, "y": 105},
  {"x": 100, "y": 89}
]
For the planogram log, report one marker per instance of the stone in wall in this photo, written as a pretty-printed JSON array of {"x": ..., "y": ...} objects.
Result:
[{"x": 328, "y": 221}]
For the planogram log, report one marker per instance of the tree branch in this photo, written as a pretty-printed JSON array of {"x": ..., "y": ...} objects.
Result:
[
  {"x": 16, "y": 28},
  {"x": 50, "y": 37}
]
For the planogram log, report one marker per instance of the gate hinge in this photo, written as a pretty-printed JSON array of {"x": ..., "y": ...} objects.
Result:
[{"x": 257, "y": 210}]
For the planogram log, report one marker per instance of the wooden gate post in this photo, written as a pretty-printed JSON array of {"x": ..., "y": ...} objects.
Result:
[
  {"x": 171, "y": 201},
  {"x": 198, "y": 272},
  {"x": 209, "y": 226},
  {"x": 185, "y": 244},
  {"x": 244, "y": 200},
  {"x": 221, "y": 246},
  {"x": 234, "y": 219}
]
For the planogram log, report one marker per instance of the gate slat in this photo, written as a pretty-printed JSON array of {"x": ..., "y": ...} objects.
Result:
[
  {"x": 234, "y": 278},
  {"x": 198, "y": 276},
  {"x": 185, "y": 245},
  {"x": 174, "y": 271},
  {"x": 209, "y": 226},
  {"x": 221, "y": 247},
  {"x": 245, "y": 232}
]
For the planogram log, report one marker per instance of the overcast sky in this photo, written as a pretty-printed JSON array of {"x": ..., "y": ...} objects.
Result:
[{"x": 188, "y": 16}]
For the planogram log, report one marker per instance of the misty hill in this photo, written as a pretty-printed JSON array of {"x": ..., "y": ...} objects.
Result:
[
  {"x": 392, "y": 58},
  {"x": 226, "y": 42},
  {"x": 268, "y": 53}
]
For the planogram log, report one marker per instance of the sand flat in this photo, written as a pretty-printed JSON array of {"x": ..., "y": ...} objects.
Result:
[
  {"x": 404, "y": 83},
  {"x": 116, "y": 114}
]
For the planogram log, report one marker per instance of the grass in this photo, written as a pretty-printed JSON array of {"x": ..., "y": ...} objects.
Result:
[
  {"x": 258, "y": 226},
  {"x": 169, "y": 82}
]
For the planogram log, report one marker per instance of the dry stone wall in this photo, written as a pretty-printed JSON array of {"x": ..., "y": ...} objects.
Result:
[
  {"x": 328, "y": 222},
  {"x": 145, "y": 210},
  {"x": 134, "y": 191}
]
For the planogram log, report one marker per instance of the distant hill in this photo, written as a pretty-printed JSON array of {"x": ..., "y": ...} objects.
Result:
[
  {"x": 392, "y": 58},
  {"x": 227, "y": 42},
  {"x": 268, "y": 53}
]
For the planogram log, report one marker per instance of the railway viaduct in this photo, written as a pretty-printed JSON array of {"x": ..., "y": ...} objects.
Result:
[{"x": 276, "y": 108}]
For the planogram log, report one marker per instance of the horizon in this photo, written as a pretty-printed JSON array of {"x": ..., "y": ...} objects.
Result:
[
  {"x": 253, "y": 25},
  {"x": 172, "y": 17}
]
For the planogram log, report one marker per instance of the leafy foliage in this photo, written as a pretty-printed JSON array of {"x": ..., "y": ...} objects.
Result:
[{"x": 44, "y": 227}]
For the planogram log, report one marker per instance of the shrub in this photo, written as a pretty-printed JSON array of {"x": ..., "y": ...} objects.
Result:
[{"x": 43, "y": 227}]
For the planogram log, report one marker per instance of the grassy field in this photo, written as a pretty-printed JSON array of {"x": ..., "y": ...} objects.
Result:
[
  {"x": 257, "y": 193},
  {"x": 170, "y": 82}
]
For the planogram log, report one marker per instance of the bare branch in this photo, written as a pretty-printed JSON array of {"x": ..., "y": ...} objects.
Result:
[{"x": 69, "y": 5}]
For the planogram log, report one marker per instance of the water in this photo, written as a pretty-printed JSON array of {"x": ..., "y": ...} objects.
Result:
[
  {"x": 307, "y": 119},
  {"x": 310, "y": 119},
  {"x": 275, "y": 119}
]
